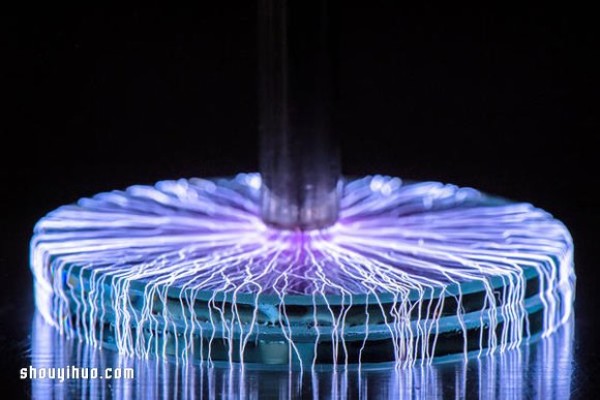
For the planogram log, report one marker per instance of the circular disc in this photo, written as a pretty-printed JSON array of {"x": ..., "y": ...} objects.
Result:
[{"x": 410, "y": 272}]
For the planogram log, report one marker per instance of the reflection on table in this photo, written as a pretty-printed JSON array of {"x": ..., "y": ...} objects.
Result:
[{"x": 539, "y": 370}]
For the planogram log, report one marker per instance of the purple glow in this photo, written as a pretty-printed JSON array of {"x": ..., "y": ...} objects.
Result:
[{"x": 394, "y": 241}]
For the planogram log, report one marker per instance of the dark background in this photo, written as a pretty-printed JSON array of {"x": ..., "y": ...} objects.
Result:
[{"x": 96, "y": 99}]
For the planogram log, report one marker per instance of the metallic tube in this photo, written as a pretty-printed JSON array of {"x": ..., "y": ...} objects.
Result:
[{"x": 299, "y": 156}]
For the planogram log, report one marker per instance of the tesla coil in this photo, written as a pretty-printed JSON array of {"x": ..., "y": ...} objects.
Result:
[{"x": 298, "y": 266}]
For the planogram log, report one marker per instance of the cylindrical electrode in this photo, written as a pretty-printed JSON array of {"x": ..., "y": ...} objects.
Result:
[{"x": 299, "y": 155}]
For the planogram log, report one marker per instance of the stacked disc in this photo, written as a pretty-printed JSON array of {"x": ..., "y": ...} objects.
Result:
[{"x": 411, "y": 272}]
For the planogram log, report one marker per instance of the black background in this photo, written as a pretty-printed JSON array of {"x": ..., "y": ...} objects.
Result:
[{"x": 501, "y": 100}]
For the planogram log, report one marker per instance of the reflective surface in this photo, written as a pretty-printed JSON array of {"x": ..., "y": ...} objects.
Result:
[{"x": 540, "y": 370}]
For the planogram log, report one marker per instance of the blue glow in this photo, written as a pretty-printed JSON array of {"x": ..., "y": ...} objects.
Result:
[
  {"x": 187, "y": 268},
  {"x": 542, "y": 370}
]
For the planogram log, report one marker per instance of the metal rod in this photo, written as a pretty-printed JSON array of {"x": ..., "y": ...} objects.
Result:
[{"x": 299, "y": 155}]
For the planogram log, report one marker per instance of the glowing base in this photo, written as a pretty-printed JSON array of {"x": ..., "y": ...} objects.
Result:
[{"x": 410, "y": 272}]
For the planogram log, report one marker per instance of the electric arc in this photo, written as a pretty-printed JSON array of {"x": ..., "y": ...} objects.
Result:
[{"x": 298, "y": 266}]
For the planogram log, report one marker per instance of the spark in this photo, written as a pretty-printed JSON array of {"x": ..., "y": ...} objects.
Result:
[
  {"x": 411, "y": 272},
  {"x": 522, "y": 373}
]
